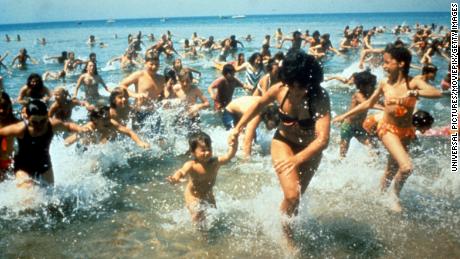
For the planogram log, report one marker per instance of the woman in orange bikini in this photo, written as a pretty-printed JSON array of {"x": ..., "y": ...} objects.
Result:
[
  {"x": 395, "y": 129},
  {"x": 6, "y": 143}
]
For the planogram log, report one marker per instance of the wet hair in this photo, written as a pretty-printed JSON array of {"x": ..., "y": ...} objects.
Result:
[
  {"x": 36, "y": 107},
  {"x": 270, "y": 114},
  {"x": 39, "y": 84},
  {"x": 117, "y": 91},
  {"x": 102, "y": 112},
  {"x": 315, "y": 34},
  {"x": 398, "y": 43},
  {"x": 422, "y": 119},
  {"x": 278, "y": 56},
  {"x": 365, "y": 82},
  {"x": 253, "y": 57},
  {"x": 7, "y": 105},
  {"x": 400, "y": 54},
  {"x": 197, "y": 138},
  {"x": 228, "y": 69},
  {"x": 302, "y": 68},
  {"x": 271, "y": 62},
  {"x": 169, "y": 73},
  {"x": 296, "y": 34},
  {"x": 240, "y": 55},
  {"x": 429, "y": 69},
  {"x": 85, "y": 69}
]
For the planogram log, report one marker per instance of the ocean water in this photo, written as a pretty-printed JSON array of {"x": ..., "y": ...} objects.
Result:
[{"x": 113, "y": 201}]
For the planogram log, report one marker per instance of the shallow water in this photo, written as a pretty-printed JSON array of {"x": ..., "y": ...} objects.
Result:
[{"x": 112, "y": 200}]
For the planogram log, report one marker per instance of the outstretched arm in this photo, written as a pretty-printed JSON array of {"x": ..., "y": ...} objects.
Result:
[
  {"x": 253, "y": 110},
  {"x": 232, "y": 147},
  {"x": 129, "y": 132},
  {"x": 59, "y": 125},
  {"x": 363, "y": 106},
  {"x": 13, "y": 130},
  {"x": 181, "y": 173}
]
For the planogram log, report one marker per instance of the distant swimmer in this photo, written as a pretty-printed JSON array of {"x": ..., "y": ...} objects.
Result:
[{"x": 22, "y": 58}]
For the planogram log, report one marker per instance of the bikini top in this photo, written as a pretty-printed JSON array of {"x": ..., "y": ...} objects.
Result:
[
  {"x": 313, "y": 111},
  {"x": 406, "y": 104}
]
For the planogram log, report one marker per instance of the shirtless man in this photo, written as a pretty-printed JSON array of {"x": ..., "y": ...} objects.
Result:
[
  {"x": 148, "y": 84},
  {"x": 22, "y": 59},
  {"x": 221, "y": 90}
]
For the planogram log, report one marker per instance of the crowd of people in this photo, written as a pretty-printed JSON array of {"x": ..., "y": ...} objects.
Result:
[{"x": 283, "y": 90}]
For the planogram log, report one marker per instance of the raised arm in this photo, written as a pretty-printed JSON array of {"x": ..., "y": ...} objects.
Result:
[{"x": 232, "y": 148}]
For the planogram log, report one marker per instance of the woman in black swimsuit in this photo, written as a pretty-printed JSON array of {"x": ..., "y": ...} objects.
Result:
[
  {"x": 32, "y": 162},
  {"x": 303, "y": 133}
]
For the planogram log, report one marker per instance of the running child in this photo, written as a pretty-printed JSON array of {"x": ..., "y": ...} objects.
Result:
[
  {"x": 202, "y": 172},
  {"x": 395, "y": 129}
]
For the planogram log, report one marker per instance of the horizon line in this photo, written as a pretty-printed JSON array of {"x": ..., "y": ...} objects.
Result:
[{"x": 220, "y": 15}]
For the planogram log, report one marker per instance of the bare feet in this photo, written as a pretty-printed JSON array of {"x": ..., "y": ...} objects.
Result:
[{"x": 395, "y": 203}]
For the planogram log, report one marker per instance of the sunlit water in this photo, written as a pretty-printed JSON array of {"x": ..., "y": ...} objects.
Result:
[{"x": 113, "y": 201}]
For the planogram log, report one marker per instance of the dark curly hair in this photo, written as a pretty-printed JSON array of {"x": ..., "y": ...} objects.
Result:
[
  {"x": 199, "y": 137},
  {"x": 365, "y": 82},
  {"x": 302, "y": 68}
]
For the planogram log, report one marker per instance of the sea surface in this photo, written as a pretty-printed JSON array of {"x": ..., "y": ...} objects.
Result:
[{"x": 112, "y": 201}]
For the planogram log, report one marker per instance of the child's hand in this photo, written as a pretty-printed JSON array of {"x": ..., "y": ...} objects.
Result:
[
  {"x": 172, "y": 180},
  {"x": 233, "y": 137},
  {"x": 144, "y": 145}
]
